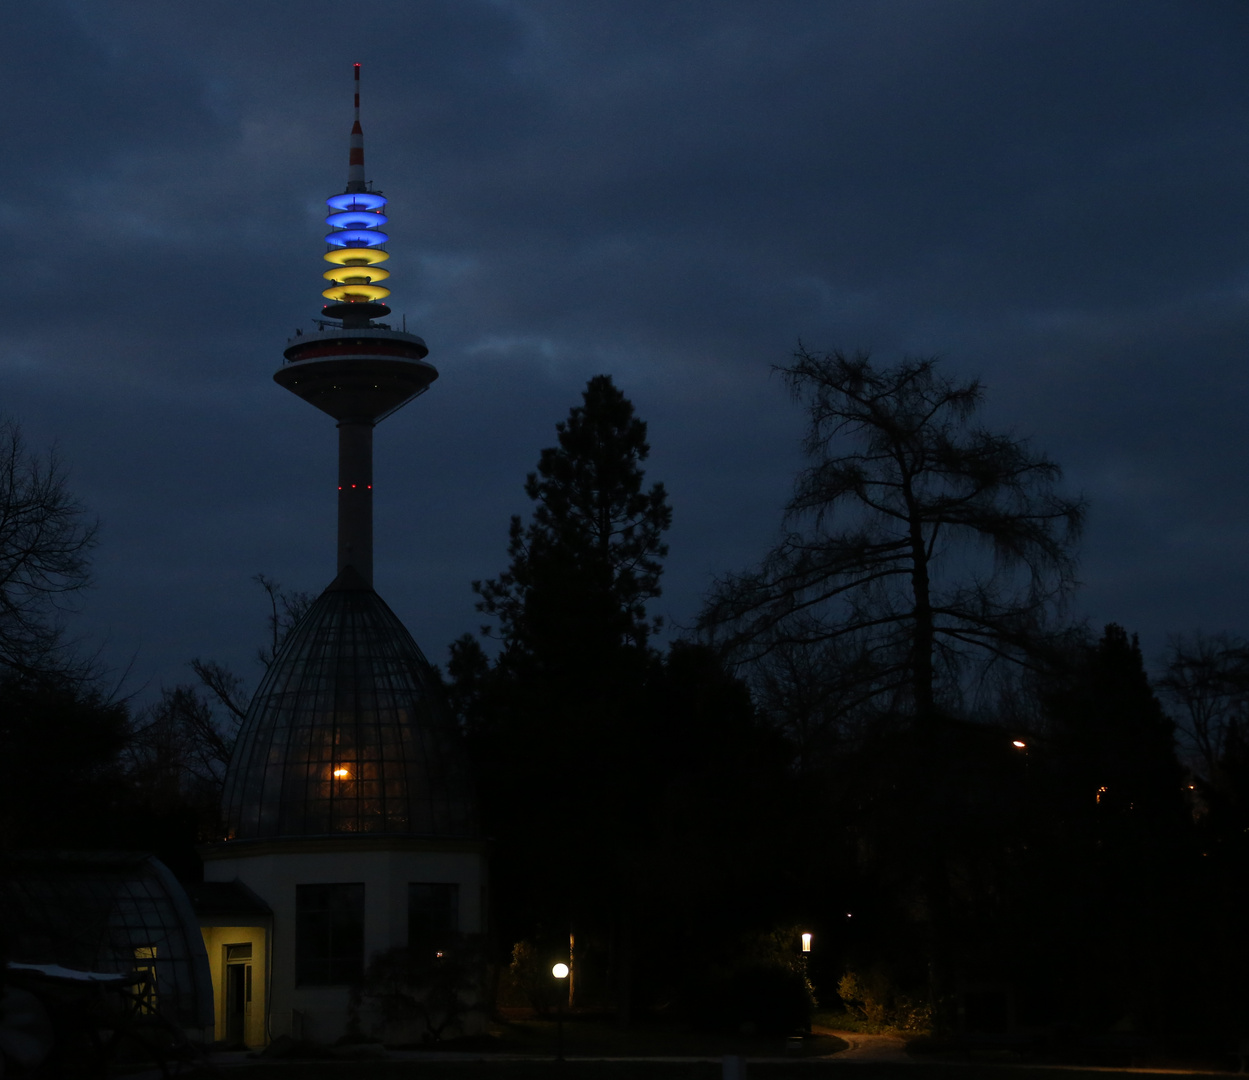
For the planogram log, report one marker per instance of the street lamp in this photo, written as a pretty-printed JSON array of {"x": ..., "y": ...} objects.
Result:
[
  {"x": 560, "y": 971},
  {"x": 1019, "y": 744},
  {"x": 806, "y": 943}
]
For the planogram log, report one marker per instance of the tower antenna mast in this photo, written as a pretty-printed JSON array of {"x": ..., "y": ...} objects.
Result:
[{"x": 355, "y": 161}]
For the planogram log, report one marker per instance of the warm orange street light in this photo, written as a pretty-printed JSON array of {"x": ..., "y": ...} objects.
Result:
[
  {"x": 1019, "y": 744},
  {"x": 806, "y": 942}
]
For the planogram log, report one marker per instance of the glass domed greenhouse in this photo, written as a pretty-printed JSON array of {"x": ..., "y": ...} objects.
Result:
[{"x": 347, "y": 733}]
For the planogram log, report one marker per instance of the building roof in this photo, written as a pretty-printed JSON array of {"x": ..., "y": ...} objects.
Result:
[
  {"x": 348, "y": 734},
  {"x": 231, "y": 899}
]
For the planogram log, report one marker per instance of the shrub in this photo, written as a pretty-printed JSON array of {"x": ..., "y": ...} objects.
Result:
[
  {"x": 528, "y": 977},
  {"x": 873, "y": 998},
  {"x": 416, "y": 995}
]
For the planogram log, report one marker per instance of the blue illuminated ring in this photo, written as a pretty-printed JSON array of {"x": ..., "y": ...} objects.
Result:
[
  {"x": 357, "y": 219},
  {"x": 356, "y": 238},
  {"x": 359, "y": 200}
]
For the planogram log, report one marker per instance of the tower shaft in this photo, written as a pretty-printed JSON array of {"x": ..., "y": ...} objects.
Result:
[{"x": 355, "y": 497}]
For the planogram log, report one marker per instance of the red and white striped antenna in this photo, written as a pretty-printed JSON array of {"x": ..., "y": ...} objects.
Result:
[{"x": 355, "y": 162}]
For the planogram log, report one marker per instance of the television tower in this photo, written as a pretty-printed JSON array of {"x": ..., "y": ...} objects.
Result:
[
  {"x": 348, "y": 812},
  {"x": 357, "y": 370}
]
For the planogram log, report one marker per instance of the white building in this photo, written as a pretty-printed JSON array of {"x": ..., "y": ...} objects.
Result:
[{"x": 350, "y": 817}]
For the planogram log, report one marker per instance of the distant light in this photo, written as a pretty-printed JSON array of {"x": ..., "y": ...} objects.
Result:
[
  {"x": 438, "y": 955},
  {"x": 341, "y": 772},
  {"x": 560, "y": 971},
  {"x": 806, "y": 942},
  {"x": 1020, "y": 743}
]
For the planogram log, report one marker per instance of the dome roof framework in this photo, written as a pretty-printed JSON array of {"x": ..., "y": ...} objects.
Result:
[
  {"x": 112, "y": 912},
  {"x": 347, "y": 733}
]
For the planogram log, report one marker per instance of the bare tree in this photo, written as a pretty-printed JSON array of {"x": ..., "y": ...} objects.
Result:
[
  {"x": 229, "y": 689},
  {"x": 285, "y": 610},
  {"x": 180, "y": 747},
  {"x": 1207, "y": 683},
  {"x": 46, "y": 536},
  {"x": 920, "y": 547}
]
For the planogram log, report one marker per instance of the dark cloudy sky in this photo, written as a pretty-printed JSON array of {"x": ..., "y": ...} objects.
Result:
[{"x": 1050, "y": 194}]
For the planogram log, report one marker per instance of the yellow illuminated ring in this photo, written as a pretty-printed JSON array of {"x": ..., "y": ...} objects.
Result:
[
  {"x": 356, "y": 256},
  {"x": 356, "y": 292},
  {"x": 350, "y": 275}
]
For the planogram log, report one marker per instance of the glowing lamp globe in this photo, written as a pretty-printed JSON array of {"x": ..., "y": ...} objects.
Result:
[{"x": 560, "y": 971}]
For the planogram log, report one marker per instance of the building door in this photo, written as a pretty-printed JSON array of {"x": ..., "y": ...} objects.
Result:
[{"x": 238, "y": 995}]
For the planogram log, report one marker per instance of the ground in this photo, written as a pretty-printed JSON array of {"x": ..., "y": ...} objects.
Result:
[{"x": 597, "y": 1050}]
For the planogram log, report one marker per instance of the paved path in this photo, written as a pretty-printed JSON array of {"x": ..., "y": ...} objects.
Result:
[{"x": 865, "y": 1049}]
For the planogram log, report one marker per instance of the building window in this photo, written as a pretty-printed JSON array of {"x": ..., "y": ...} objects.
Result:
[
  {"x": 145, "y": 967},
  {"x": 329, "y": 934},
  {"x": 433, "y": 916}
]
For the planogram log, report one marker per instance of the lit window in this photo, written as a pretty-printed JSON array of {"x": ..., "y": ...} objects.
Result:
[{"x": 145, "y": 966}]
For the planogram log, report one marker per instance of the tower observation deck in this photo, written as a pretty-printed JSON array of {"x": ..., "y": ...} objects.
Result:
[{"x": 357, "y": 370}]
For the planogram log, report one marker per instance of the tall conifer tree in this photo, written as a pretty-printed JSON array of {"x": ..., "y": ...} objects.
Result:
[
  {"x": 555, "y": 723},
  {"x": 584, "y": 567}
]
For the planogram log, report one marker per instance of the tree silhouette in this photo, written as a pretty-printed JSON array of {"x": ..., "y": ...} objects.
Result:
[
  {"x": 1107, "y": 863},
  {"x": 46, "y": 537},
  {"x": 1116, "y": 743},
  {"x": 555, "y": 723},
  {"x": 61, "y": 773},
  {"x": 922, "y": 555},
  {"x": 180, "y": 746},
  {"x": 1207, "y": 679},
  {"x": 1207, "y": 682},
  {"x": 920, "y": 547},
  {"x": 583, "y": 569}
]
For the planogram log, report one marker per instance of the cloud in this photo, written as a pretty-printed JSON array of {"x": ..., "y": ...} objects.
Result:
[{"x": 1046, "y": 193}]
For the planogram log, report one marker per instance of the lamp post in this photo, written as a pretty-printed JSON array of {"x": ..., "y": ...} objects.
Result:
[{"x": 560, "y": 971}]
